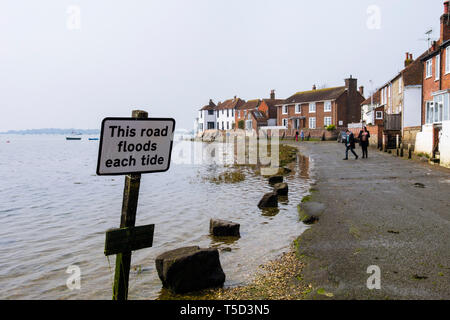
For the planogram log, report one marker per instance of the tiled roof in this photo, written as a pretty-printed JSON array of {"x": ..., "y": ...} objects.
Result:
[
  {"x": 210, "y": 106},
  {"x": 376, "y": 98},
  {"x": 250, "y": 104},
  {"x": 230, "y": 104},
  {"x": 259, "y": 116},
  {"x": 316, "y": 95}
]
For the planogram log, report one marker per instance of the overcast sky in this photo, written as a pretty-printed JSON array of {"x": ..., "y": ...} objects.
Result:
[{"x": 69, "y": 64}]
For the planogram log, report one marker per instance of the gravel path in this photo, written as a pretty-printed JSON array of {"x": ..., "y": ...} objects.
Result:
[{"x": 385, "y": 211}]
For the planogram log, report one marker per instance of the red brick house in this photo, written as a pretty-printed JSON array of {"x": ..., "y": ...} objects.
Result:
[
  {"x": 267, "y": 115},
  {"x": 318, "y": 108},
  {"x": 434, "y": 138}
]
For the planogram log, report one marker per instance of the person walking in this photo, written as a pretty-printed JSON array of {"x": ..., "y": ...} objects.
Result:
[
  {"x": 302, "y": 135},
  {"x": 296, "y": 136},
  {"x": 363, "y": 137},
  {"x": 350, "y": 145}
]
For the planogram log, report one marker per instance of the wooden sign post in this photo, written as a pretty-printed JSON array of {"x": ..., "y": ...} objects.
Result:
[{"x": 132, "y": 146}]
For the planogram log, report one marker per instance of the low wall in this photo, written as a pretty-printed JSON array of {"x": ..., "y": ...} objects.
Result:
[
  {"x": 313, "y": 133},
  {"x": 409, "y": 136},
  {"x": 376, "y": 134},
  {"x": 444, "y": 145},
  {"x": 424, "y": 140}
]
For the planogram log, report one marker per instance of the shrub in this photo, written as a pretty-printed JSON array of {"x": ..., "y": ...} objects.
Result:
[
  {"x": 241, "y": 124},
  {"x": 331, "y": 127}
]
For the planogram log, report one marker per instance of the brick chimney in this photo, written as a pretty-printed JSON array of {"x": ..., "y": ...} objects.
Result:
[
  {"x": 361, "y": 90},
  {"x": 445, "y": 27},
  {"x": 314, "y": 87},
  {"x": 408, "y": 59},
  {"x": 351, "y": 85},
  {"x": 272, "y": 94}
]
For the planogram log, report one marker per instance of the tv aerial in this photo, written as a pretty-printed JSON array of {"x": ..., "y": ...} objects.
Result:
[{"x": 428, "y": 37}]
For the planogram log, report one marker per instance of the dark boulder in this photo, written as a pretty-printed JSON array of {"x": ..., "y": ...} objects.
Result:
[
  {"x": 223, "y": 228},
  {"x": 190, "y": 269},
  {"x": 269, "y": 200},
  {"x": 275, "y": 179},
  {"x": 281, "y": 189}
]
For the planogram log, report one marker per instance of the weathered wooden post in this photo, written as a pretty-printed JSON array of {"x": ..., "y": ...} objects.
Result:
[
  {"x": 127, "y": 219},
  {"x": 409, "y": 151},
  {"x": 401, "y": 150},
  {"x": 384, "y": 143},
  {"x": 125, "y": 149}
]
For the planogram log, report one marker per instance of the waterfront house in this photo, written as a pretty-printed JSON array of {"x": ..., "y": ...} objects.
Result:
[
  {"x": 313, "y": 110},
  {"x": 434, "y": 138},
  {"x": 225, "y": 113},
  {"x": 266, "y": 115},
  {"x": 206, "y": 119}
]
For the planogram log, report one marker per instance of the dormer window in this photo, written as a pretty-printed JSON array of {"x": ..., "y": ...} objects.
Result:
[
  {"x": 312, "y": 107},
  {"x": 298, "y": 108}
]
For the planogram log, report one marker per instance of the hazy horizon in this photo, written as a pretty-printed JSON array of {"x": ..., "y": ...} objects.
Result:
[{"x": 69, "y": 64}]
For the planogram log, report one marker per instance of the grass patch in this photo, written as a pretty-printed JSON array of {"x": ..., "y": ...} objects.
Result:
[{"x": 229, "y": 177}]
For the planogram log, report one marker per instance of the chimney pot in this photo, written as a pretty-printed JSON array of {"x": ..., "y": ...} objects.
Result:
[
  {"x": 446, "y": 7},
  {"x": 361, "y": 90},
  {"x": 314, "y": 87},
  {"x": 272, "y": 94}
]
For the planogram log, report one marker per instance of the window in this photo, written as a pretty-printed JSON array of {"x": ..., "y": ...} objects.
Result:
[
  {"x": 327, "y": 121},
  {"x": 312, "y": 123},
  {"x": 285, "y": 122},
  {"x": 312, "y": 107},
  {"x": 327, "y": 107},
  {"x": 232, "y": 112},
  {"x": 438, "y": 66},
  {"x": 227, "y": 113},
  {"x": 223, "y": 126},
  {"x": 285, "y": 109},
  {"x": 228, "y": 125},
  {"x": 200, "y": 126},
  {"x": 389, "y": 91},
  {"x": 400, "y": 84},
  {"x": 217, "y": 114},
  {"x": 201, "y": 114},
  {"x": 379, "y": 115},
  {"x": 429, "y": 67},
  {"x": 447, "y": 60},
  {"x": 298, "y": 108},
  {"x": 211, "y": 112}
]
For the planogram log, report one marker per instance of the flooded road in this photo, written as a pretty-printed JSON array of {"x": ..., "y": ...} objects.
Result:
[{"x": 54, "y": 211}]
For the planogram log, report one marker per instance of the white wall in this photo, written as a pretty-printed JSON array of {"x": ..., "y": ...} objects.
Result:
[
  {"x": 412, "y": 106},
  {"x": 204, "y": 118},
  {"x": 424, "y": 140},
  {"x": 226, "y": 119},
  {"x": 444, "y": 144}
]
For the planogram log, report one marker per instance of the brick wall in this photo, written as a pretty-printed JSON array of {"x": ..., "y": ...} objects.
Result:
[{"x": 376, "y": 134}]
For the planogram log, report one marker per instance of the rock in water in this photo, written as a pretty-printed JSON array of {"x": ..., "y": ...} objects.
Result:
[
  {"x": 190, "y": 269},
  {"x": 223, "y": 228},
  {"x": 269, "y": 200},
  {"x": 281, "y": 189},
  {"x": 275, "y": 179}
]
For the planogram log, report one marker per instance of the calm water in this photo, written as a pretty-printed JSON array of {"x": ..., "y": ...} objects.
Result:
[{"x": 54, "y": 212}]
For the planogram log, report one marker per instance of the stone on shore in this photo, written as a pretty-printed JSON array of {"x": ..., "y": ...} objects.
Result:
[
  {"x": 275, "y": 179},
  {"x": 223, "y": 228},
  {"x": 269, "y": 200},
  {"x": 310, "y": 212},
  {"x": 281, "y": 189},
  {"x": 190, "y": 269}
]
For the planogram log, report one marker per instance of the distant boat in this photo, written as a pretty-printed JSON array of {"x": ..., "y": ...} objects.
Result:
[
  {"x": 93, "y": 138},
  {"x": 74, "y": 136}
]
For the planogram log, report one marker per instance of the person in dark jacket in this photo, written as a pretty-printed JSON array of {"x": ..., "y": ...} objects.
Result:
[
  {"x": 350, "y": 145},
  {"x": 363, "y": 137}
]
